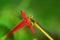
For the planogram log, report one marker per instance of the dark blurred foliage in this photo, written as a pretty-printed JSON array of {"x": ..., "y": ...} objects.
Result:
[{"x": 45, "y": 12}]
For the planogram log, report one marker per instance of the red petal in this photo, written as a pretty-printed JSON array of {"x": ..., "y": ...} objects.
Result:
[
  {"x": 30, "y": 26},
  {"x": 23, "y": 14},
  {"x": 18, "y": 26}
]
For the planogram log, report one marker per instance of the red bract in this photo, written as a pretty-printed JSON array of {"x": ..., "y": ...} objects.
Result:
[{"x": 21, "y": 24}]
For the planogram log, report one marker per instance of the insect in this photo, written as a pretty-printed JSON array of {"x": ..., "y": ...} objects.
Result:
[
  {"x": 40, "y": 28},
  {"x": 20, "y": 25}
]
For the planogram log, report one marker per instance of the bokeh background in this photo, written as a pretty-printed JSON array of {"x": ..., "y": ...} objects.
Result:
[{"x": 45, "y": 12}]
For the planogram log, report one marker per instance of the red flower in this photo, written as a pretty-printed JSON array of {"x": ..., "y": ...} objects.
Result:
[{"x": 21, "y": 24}]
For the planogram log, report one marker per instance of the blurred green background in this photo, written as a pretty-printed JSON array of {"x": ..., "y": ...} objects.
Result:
[{"x": 46, "y": 13}]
